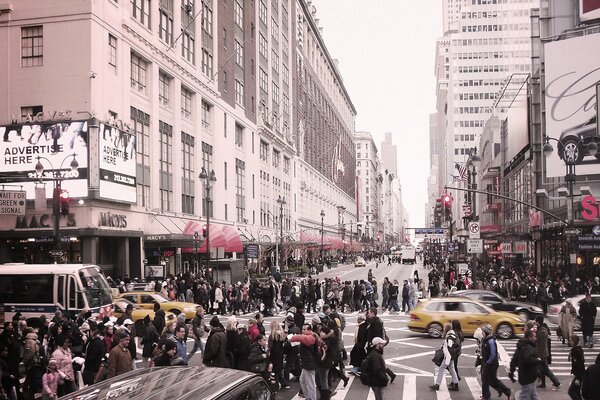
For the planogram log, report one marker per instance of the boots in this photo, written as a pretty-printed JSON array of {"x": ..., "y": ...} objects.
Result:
[{"x": 453, "y": 387}]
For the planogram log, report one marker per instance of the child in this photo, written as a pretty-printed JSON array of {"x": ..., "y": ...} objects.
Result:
[{"x": 51, "y": 380}]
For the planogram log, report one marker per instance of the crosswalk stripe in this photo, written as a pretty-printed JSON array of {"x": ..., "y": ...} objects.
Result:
[
  {"x": 341, "y": 391},
  {"x": 443, "y": 393},
  {"x": 474, "y": 387},
  {"x": 409, "y": 390}
]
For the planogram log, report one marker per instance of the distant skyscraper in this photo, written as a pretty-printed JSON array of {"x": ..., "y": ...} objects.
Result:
[{"x": 389, "y": 154}]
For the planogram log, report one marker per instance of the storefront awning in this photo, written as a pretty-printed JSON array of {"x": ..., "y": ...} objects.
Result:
[{"x": 225, "y": 236}]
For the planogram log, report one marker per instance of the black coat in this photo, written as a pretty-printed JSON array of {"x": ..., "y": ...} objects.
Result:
[
  {"x": 242, "y": 351},
  {"x": 358, "y": 353},
  {"x": 276, "y": 354},
  {"x": 590, "y": 387},
  {"x": 376, "y": 369},
  {"x": 527, "y": 362},
  {"x": 587, "y": 312}
]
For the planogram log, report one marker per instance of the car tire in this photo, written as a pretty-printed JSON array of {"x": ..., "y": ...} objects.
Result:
[
  {"x": 175, "y": 311},
  {"x": 504, "y": 331},
  {"x": 435, "y": 330}
]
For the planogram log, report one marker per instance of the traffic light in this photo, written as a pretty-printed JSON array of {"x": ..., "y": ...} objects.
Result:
[
  {"x": 447, "y": 200},
  {"x": 64, "y": 202},
  {"x": 56, "y": 201},
  {"x": 579, "y": 261},
  {"x": 204, "y": 231}
]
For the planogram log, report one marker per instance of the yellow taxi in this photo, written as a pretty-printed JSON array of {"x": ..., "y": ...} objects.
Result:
[
  {"x": 138, "y": 313},
  {"x": 430, "y": 316},
  {"x": 146, "y": 300}
]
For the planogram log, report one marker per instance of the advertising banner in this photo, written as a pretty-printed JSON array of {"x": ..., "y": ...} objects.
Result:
[
  {"x": 589, "y": 10},
  {"x": 55, "y": 145},
  {"x": 117, "y": 162},
  {"x": 572, "y": 71}
]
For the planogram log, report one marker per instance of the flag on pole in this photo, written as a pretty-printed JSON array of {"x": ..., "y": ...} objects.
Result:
[{"x": 462, "y": 172}]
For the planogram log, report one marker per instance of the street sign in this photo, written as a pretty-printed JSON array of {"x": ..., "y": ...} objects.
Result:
[
  {"x": 450, "y": 247},
  {"x": 56, "y": 253},
  {"x": 12, "y": 202},
  {"x": 572, "y": 231},
  {"x": 474, "y": 230},
  {"x": 596, "y": 230},
  {"x": 474, "y": 246},
  {"x": 506, "y": 247},
  {"x": 467, "y": 210},
  {"x": 521, "y": 247},
  {"x": 252, "y": 250}
]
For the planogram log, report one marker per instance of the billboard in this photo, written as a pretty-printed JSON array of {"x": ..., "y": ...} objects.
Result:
[
  {"x": 55, "y": 145},
  {"x": 117, "y": 151},
  {"x": 572, "y": 71},
  {"x": 589, "y": 10},
  {"x": 517, "y": 125}
]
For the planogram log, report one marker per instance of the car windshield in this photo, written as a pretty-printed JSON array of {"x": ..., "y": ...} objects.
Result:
[
  {"x": 123, "y": 303},
  {"x": 159, "y": 298},
  {"x": 95, "y": 288}
]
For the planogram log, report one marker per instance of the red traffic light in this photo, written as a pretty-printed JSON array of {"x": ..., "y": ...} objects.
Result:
[
  {"x": 447, "y": 200},
  {"x": 64, "y": 202},
  {"x": 204, "y": 231}
]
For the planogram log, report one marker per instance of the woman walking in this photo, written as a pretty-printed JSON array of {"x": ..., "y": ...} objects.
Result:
[
  {"x": 277, "y": 338},
  {"x": 577, "y": 368},
  {"x": 460, "y": 338},
  {"x": 449, "y": 340},
  {"x": 567, "y": 317}
]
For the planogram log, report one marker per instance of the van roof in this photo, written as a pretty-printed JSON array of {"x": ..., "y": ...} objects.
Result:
[
  {"x": 198, "y": 382},
  {"x": 24, "y": 269}
]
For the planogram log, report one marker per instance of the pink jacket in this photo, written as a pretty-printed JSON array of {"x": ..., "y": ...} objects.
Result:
[
  {"x": 64, "y": 360},
  {"x": 50, "y": 382}
]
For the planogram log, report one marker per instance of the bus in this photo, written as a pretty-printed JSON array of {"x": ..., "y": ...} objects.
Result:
[{"x": 36, "y": 289}]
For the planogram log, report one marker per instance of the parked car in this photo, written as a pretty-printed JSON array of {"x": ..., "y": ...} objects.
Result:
[
  {"x": 360, "y": 262},
  {"x": 525, "y": 311},
  {"x": 430, "y": 316},
  {"x": 138, "y": 314},
  {"x": 178, "y": 383},
  {"x": 554, "y": 310},
  {"x": 147, "y": 299}
]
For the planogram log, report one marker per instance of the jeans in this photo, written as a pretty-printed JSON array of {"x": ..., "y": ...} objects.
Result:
[
  {"x": 528, "y": 392},
  {"x": 198, "y": 344},
  {"x": 308, "y": 385},
  {"x": 545, "y": 371},
  {"x": 440, "y": 375},
  {"x": 393, "y": 305},
  {"x": 378, "y": 392}
]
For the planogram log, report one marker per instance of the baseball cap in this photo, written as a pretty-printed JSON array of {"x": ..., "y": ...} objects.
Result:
[
  {"x": 128, "y": 322},
  {"x": 377, "y": 340}
]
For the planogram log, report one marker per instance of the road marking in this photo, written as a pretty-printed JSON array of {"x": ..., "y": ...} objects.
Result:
[
  {"x": 371, "y": 395},
  {"x": 443, "y": 393},
  {"x": 504, "y": 357},
  {"x": 474, "y": 387},
  {"x": 416, "y": 371},
  {"x": 342, "y": 392},
  {"x": 409, "y": 390}
]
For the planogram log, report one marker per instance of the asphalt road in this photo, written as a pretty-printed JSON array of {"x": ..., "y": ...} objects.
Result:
[{"x": 409, "y": 354}]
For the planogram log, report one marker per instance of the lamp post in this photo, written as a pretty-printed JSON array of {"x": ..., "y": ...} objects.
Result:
[
  {"x": 322, "y": 228},
  {"x": 196, "y": 238},
  {"x": 57, "y": 193},
  {"x": 571, "y": 152},
  {"x": 209, "y": 180},
  {"x": 473, "y": 163},
  {"x": 281, "y": 201}
]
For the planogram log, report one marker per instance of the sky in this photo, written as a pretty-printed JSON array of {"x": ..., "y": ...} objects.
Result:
[{"x": 386, "y": 51}]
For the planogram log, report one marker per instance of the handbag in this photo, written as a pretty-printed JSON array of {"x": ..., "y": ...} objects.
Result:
[{"x": 438, "y": 357}]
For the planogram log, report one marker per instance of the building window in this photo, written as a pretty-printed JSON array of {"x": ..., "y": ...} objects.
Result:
[
  {"x": 32, "y": 46},
  {"x": 112, "y": 52},
  {"x": 276, "y": 158},
  {"x": 239, "y": 54},
  {"x": 262, "y": 12},
  {"x": 238, "y": 14},
  {"x": 207, "y": 18},
  {"x": 286, "y": 104},
  {"x": 140, "y": 127},
  {"x": 138, "y": 73},
  {"x": 206, "y": 110},
  {"x": 186, "y": 103},
  {"x": 30, "y": 112},
  {"x": 187, "y": 174},
  {"x": 165, "y": 23},
  {"x": 240, "y": 190},
  {"x": 239, "y": 135},
  {"x": 164, "y": 88},
  {"x": 207, "y": 152},
  {"x": 275, "y": 96},
  {"x": 264, "y": 151},
  {"x": 225, "y": 175},
  {"x": 207, "y": 63},
  {"x": 262, "y": 46},
  {"x": 274, "y": 30},
  {"x": 285, "y": 74},
  {"x": 286, "y": 165},
  {"x": 166, "y": 166},
  {"x": 140, "y": 10},
  {"x": 187, "y": 46},
  {"x": 239, "y": 93},
  {"x": 275, "y": 61},
  {"x": 263, "y": 81}
]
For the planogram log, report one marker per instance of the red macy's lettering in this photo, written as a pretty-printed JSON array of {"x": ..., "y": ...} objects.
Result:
[{"x": 591, "y": 208}]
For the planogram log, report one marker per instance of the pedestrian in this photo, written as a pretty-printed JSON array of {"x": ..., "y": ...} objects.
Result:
[
  {"x": 567, "y": 317},
  {"x": 375, "y": 365},
  {"x": 460, "y": 338},
  {"x": 215, "y": 350},
  {"x": 119, "y": 358},
  {"x": 543, "y": 333},
  {"x": 308, "y": 361},
  {"x": 277, "y": 340},
  {"x": 51, "y": 380},
  {"x": 181, "y": 343},
  {"x": 94, "y": 353},
  {"x": 526, "y": 361},
  {"x": 489, "y": 365},
  {"x": 577, "y": 368},
  {"x": 64, "y": 362},
  {"x": 587, "y": 312},
  {"x": 259, "y": 359},
  {"x": 167, "y": 356},
  {"x": 405, "y": 297},
  {"x": 449, "y": 340},
  {"x": 590, "y": 386}
]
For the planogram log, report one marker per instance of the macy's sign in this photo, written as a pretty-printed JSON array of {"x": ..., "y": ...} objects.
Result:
[{"x": 591, "y": 208}]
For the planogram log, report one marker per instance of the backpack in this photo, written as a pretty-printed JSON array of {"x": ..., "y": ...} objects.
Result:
[{"x": 364, "y": 372}]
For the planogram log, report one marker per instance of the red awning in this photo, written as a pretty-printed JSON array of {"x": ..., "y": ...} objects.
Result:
[{"x": 219, "y": 235}]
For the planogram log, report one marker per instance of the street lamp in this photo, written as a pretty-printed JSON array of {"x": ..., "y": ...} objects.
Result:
[
  {"x": 281, "y": 201},
  {"x": 57, "y": 193},
  {"x": 571, "y": 153},
  {"x": 209, "y": 180},
  {"x": 322, "y": 227},
  {"x": 474, "y": 163},
  {"x": 196, "y": 238}
]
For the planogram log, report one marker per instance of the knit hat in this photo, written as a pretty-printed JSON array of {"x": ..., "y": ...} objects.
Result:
[
  {"x": 121, "y": 334},
  {"x": 170, "y": 344},
  {"x": 214, "y": 322},
  {"x": 487, "y": 328}
]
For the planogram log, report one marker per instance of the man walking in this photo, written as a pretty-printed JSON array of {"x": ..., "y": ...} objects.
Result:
[
  {"x": 376, "y": 369},
  {"x": 587, "y": 312},
  {"x": 526, "y": 361},
  {"x": 308, "y": 361},
  {"x": 489, "y": 365},
  {"x": 119, "y": 359},
  {"x": 542, "y": 352}
]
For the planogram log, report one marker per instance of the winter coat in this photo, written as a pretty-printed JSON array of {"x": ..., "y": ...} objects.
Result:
[
  {"x": 51, "y": 380},
  {"x": 590, "y": 386},
  {"x": 242, "y": 351},
  {"x": 567, "y": 317},
  {"x": 527, "y": 362},
  {"x": 31, "y": 351},
  {"x": 215, "y": 350},
  {"x": 258, "y": 362},
  {"x": 587, "y": 312},
  {"x": 358, "y": 353},
  {"x": 577, "y": 362},
  {"x": 376, "y": 366},
  {"x": 150, "y": 338},
  {"x": 119, "y": 361},
  {"x": 276, "y": 354},
  {"x": 64, "y": 360}
]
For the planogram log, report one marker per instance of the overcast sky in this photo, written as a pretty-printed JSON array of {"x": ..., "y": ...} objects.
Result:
[{"x": 386, "y": 50}]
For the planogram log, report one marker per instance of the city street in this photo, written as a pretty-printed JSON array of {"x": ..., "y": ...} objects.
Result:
[{"x": 409, "y": 354}]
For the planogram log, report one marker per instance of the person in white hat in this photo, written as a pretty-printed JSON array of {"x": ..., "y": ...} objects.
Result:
[{"x": 374, "y": 368}]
